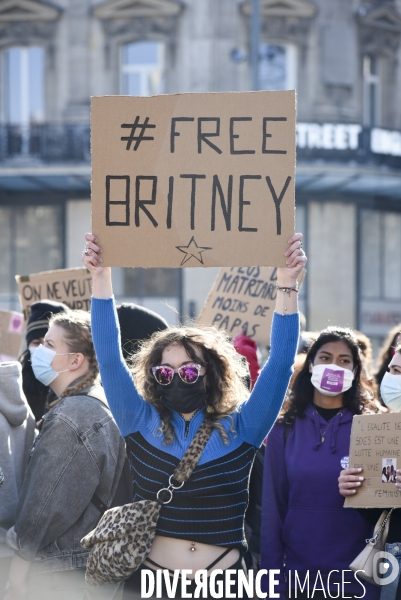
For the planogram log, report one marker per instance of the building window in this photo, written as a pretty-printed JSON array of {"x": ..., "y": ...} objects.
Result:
[
  {"x": 379, "y": 273},
  {"x": 277, "y": 67},
  {"x": 380, "y": 255},
  {"x": 142, "y": 68},
  {"x": 29, "y": 243},
  {"x": 371, "y": 91},
  {"x": 24, "y": 85},
  {"x": 157, "y": 283}
]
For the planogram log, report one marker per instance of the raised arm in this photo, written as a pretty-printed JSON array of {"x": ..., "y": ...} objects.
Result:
[
  {"x": 259, "y": 413},
  {"x": 129, "y": 409}
]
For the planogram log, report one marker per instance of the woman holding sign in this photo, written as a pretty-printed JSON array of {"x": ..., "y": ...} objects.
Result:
[
  {"x": 351, "y": 479},
  {"x": 183, "y": 378},
  {"x": 304, "y": 524}
]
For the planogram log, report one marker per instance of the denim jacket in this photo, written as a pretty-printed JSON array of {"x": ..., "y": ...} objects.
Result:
[{"x": 79, "y": 452}]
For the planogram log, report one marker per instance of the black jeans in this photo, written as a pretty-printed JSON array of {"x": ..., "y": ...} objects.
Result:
[{"x": 132, "y": 589}]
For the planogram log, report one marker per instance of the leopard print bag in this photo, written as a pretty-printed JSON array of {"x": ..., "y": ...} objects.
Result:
[{"x": 124, "y": 535}]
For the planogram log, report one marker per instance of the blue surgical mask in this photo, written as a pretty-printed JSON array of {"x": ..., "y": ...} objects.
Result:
[{"x": 41, "y": 362}]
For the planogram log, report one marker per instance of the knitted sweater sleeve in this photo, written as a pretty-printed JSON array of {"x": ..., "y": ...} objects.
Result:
[
  {"x": 260, "y": 411},
  {"x": 129, "y": 409}
]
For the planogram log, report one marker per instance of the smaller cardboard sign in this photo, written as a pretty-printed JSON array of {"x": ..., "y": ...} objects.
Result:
[
  {"x": 244, "y": 297},
  {"x": 11, "y": 334},
  {"x": 71, "y": 286},
  {"x": 376, "y": 447}
]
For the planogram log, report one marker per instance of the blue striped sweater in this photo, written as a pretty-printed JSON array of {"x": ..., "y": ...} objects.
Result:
[{"x": 210, "y": 507}]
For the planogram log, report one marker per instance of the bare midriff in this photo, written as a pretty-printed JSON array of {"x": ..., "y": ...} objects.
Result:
[{"x": 172, "y": 553}]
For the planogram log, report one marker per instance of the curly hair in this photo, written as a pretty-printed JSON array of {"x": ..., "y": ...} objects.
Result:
[
  {"x": 226, "y": 373},
  {"x": 78, "y": 337},
  {"x": 357, "y": 398},
  {"x": 385, "y": 354}
]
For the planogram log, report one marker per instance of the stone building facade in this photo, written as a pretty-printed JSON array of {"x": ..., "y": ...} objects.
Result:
[{"x": 342, "y": 56}]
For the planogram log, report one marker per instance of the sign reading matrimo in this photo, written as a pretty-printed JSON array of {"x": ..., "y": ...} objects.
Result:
[{"x": 193, "y": 180}]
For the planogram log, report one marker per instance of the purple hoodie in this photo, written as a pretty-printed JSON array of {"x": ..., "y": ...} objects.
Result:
[{"x": 304, "y": 523}]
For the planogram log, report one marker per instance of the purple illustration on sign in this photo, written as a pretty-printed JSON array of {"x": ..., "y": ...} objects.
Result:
[
  {"x": 16, "y": 323},
  {"x": 333, "y": 381}
]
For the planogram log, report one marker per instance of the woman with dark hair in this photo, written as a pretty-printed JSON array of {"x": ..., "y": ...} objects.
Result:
[
  {"x": 184, "y": 377},
  {"x": 306, "y": 532},
  {"x": 351, "y": 479},
  {"x": 387, "y": 351}
]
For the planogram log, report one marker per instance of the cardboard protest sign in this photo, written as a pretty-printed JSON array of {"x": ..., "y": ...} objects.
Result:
[
  {"x": 71, "y": 286},
  {"x": 243, "y": 298},
  {"x": 11, "y": 334},
  {"x": 376, "y": 447},
  {"x": 192, "y": 180}
]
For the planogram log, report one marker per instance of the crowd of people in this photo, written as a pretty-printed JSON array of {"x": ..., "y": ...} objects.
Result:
[{"x": 102, "y": 409}]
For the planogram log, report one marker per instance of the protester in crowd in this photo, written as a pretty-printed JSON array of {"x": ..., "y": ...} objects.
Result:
[
  {"x": 38, "y": 325},
  {"x": 365, "y": 346},
  {"x": 75, "y": 465},
  {"x": 17, "y": 430},
  {"x": 183, "y": 377},
  {"x": 304, "y": 525},
  {"x": 308, "y": 337},
  {"x": 351, "y": 479},
  {"x": 248, "y": 348},
  {"x": 387, "y": 352},
  {"x": 137, "y": 324}
]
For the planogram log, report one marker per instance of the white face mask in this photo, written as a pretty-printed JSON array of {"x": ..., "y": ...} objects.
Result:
[
  {"x": 390, "y": 391},
  {"x": 331, "y": 380}
]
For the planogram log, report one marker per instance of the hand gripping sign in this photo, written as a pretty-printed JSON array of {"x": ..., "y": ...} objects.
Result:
[{"x": 192, "y": 180}]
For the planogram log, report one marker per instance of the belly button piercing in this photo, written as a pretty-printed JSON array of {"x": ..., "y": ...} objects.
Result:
[{"x": 193, "y": 547}]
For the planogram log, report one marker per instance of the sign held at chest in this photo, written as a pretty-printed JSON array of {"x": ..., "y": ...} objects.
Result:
[
  {"x": 194, "y": 179},
  {"x": 376, "y": 448}
]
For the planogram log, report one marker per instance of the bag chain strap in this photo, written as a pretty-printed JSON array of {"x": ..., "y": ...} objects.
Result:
[
  {"x": 382, "y": 526},
  {"x": 184, "y": 470}
]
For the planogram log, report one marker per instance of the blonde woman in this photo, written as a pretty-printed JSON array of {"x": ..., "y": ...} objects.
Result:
[
  {"x": 76, "y": 461},
  {"x": 182, "y": 377}
]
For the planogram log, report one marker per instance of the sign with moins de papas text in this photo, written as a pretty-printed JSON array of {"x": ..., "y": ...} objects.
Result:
[
  {"x": 376, "y": 447},
  {"x": 192, "y": 180},
  {"x": 71, "y": 286},
  {"x": 242, "y": 298}
]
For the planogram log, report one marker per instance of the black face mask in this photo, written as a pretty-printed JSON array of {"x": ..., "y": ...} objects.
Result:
[{"x": 183, "y": 397}]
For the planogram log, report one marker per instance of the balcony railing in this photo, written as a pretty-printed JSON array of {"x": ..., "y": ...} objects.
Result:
[
  {"x": 47, "y": 143},
  {"x": 331, "y": 142}
]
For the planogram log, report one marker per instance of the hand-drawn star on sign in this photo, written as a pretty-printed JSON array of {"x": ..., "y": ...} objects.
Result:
[{"x": 192, "y": 250}]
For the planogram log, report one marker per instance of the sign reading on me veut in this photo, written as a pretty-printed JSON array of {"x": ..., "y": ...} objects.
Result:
[{"x": 71, "y": 286}]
